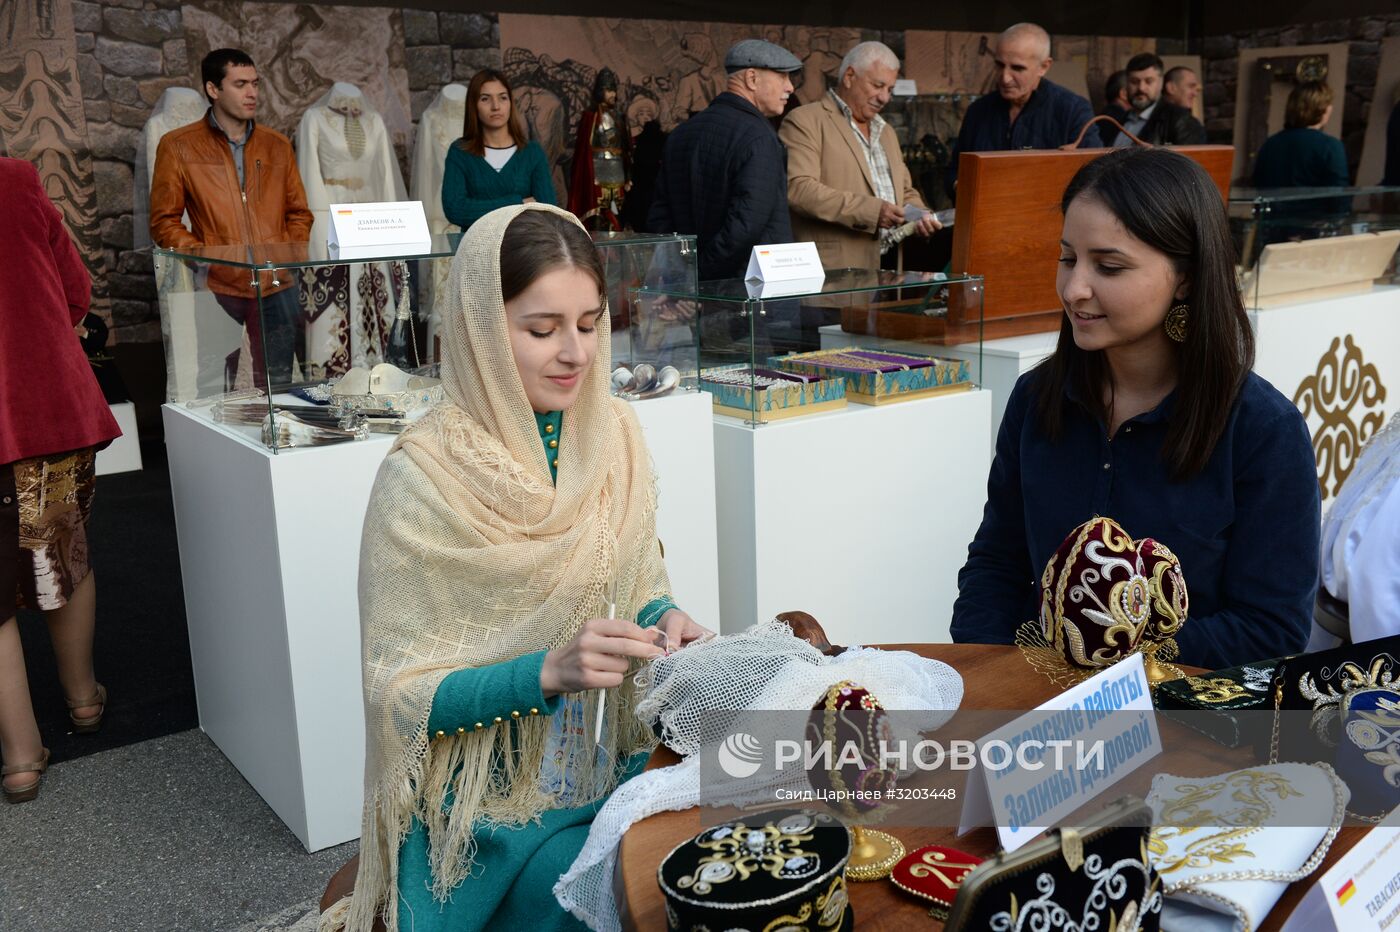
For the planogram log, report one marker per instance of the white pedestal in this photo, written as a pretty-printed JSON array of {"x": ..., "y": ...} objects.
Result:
[
  {"x": 861, "y": 517},
  {"x": 124, "y": 453},
  {"x": 269, "y": 552},
  {"x": 1294, "y": 343},
  {"x": 1003, "y": 361}
]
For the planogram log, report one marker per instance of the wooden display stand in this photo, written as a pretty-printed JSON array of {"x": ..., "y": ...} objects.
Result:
[
  {"x": 1008, "y": 230},
  {"x": 1319, "y": 269}
]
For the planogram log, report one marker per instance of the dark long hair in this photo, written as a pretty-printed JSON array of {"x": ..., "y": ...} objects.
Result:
[
  {"x": 540, "y": 241},
  {"x": 473, "y": 133},
  {"x": 1169, "y": 203}
]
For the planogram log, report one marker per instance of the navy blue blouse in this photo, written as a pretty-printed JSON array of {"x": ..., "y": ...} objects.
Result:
[{"x": 1245, "y": 528}]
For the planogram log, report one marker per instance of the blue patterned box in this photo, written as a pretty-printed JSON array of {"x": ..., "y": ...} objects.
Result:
[
  {"x": 875, "y": 377},
  {"x": 770, "y": 395}
]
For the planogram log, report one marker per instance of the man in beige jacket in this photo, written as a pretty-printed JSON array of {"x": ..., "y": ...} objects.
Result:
[{"x": 848, "y": 185}]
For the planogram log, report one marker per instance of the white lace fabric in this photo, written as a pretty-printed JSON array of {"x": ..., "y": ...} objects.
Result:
[{"x": 696, "y": 695}]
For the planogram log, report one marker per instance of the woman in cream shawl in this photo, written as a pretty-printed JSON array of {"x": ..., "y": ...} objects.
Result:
[{"x": 502, "y": 529}]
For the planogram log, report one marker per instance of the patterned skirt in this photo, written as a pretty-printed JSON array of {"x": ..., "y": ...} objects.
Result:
[{"x": 53, "y": 495}]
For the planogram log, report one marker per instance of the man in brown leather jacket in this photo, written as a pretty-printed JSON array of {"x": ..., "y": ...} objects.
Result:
[{"x": 239, "y": 184}]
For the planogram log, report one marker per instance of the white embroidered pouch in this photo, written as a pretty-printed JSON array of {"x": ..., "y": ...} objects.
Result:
[{"x": 1228, "y": 846}]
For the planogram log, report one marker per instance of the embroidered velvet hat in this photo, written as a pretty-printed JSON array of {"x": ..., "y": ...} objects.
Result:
[
  {"x": 774, "y": 870},
  {"x": 852, "y": 736},
  {"x": 1105, "y": 596}
]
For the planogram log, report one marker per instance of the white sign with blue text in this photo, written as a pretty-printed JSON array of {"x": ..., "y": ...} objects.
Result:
[{"x": 1063, "y": 754}]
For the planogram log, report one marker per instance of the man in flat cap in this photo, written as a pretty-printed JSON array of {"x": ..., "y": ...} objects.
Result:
[{"x": 723, "y": 172}]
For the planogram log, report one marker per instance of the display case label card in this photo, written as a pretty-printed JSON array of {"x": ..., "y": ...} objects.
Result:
[
  {"x": 1361, "y": 891},
  {"x": 905, "y": 87},
  {"x": 1108, "y": 730},
  {"x": 383, "y": 228},
  {"x": 785, "y": 262}
]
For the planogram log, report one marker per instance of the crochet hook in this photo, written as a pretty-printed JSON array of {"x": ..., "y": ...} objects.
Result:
[{"x": 603, "y": 693}]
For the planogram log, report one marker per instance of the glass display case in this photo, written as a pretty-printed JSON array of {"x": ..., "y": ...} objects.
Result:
[
  {"x": 653, "y": 339},
  {"x": 1299, "y": 244},
  {"x": 769, "y": 352},
  {"x": 293, "y": 345}
]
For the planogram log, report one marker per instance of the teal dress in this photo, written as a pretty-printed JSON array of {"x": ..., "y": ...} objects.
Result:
[{"x": 515, "y": 869}]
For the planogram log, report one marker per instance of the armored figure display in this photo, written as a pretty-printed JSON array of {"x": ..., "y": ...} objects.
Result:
[{"x": 602, "y": 159}]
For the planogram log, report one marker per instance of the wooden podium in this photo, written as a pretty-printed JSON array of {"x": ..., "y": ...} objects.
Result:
[{"x": 1008, "y": 231}]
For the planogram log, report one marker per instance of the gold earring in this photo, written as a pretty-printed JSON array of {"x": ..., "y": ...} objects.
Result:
[{"x": 1175, "y": 324}]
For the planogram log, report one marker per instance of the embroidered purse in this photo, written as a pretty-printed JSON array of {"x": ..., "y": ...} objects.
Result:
[
  {"x": 934, "y": 873},
  {"x": 1368, "y": 752},
  {"x": 1097, "y": 877},
  {"x": 1318, "y": 684},
  {"x": 1228, "y": 846},
  {"x": 1208, "y": 702}
]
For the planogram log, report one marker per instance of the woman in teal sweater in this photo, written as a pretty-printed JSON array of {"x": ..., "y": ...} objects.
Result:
[
  {"x": 510, "y": 583},
  {"x": 492, "y": 165}
]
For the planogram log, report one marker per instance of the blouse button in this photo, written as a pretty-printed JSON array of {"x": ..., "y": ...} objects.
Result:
[
  {"x": 8, "y": 499},
  {"x": 515, "y": 714},
  {"x": 553, "y": 444},
  {"x": 555, "y": 463},
  {"x": 549, "y": 428},
  {"x": 441, "y": 734},
  {"x": 534, "y": 711},
  {"x": 498, "y": 720},
  {"x": 1107, "y": 466},
  {"x": 461, "y": 731}
]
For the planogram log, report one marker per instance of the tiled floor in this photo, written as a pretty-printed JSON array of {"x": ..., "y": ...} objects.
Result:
[{"x": 161, "y": 836}]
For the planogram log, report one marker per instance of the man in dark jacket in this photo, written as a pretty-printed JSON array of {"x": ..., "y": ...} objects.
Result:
[
  {"x": 723, "y": 172},
  {"x": 1115, "y": 97},
  {"x": 1028, "y": 111},
  {"x": 1154, "y": 120}
]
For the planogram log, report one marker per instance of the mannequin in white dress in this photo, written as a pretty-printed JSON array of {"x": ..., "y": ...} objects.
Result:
[
  {"x": 177, "y": 107},
  {"x": 187, "y": 316},
  {"x": 345, "y": 157},
  {"x": 438, "y": 128}
]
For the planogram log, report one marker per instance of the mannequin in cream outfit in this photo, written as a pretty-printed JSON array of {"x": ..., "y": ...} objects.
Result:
[
  {"x": 184, "y": 311},
  {"x": 438, "y": 128},
  {"x": 346, "y": 157}
]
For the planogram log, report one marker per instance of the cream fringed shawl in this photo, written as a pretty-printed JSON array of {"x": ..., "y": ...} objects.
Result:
[{"x": 471, "y": 556}]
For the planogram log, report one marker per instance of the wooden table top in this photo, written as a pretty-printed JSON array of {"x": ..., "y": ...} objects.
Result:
[{"x": 994, "y": 677}]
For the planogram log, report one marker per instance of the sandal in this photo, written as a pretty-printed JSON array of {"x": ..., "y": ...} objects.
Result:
[
  {"x": 89, "y": 723},
  {"x": 24, "y": 794}
]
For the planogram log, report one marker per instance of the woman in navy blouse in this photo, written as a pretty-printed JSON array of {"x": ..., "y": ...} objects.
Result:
[{"x": 1148, "y": 413}]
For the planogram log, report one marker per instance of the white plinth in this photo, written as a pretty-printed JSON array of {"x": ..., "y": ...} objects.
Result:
[
  {"x": 1003, "y": 361},
  {"x": 269, "y": 552},
  {"x": 124, "y": 453},
  {"x": 861, "y": 517},
  {"x": 1294, "y": 344}
]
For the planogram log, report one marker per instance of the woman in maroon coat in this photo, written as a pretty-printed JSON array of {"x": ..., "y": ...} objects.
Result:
[{"x": 53, "y": 419}]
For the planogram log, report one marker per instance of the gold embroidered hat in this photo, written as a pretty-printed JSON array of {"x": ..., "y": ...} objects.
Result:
[{"x": 1104, "y": 597}]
